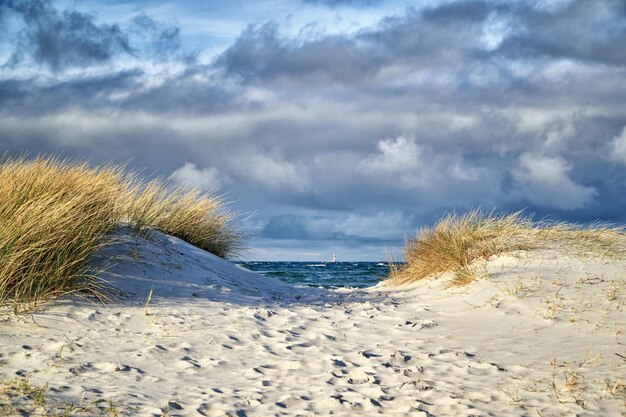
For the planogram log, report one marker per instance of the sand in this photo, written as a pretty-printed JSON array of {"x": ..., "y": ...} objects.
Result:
[{"x": 542, "y": 336}]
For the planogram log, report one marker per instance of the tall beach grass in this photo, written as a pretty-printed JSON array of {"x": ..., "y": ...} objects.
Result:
[
  {"x": 55, "y": 214},
  {"x": 457, "y": 241}
]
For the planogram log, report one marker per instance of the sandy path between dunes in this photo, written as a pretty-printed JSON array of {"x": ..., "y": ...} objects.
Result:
[{"x": 542, "y": 337}]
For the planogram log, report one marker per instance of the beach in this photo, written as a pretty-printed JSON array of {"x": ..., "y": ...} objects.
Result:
[
  {"x": 303, "y": 208},
  {"x": 541, "y": 336}
]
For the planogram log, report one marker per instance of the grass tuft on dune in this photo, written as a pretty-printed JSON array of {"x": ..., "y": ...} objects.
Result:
[
  {"x": 457, "y": 241},
  {"x": 55, "y": 214}
]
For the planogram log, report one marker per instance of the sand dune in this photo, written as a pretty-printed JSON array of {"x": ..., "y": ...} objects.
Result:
[{"x": 542, "y": 336}]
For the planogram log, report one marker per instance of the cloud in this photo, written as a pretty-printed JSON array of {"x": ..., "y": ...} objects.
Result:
[
  {"x": 545, "y": 182},
  {"x": 362, "y": 227},
  {"x": 401, "y": 156},
  {"x": 418, "y": 40},
  {"x": 266, "y": 169},
  {"x": 618, "y": 147},
  {"x": 410, "y": 165},
  {"x": 286, "y": 227},
  {"x": 63, "y": 39},
  {"x": 592, "y": 31},
  {"x": 208, "y": 179},
  {"x": 163, "y": 41},
  {"x": 470, "y": 10},
  {"x": 357, "y": 137},
  {"x": 70, "y": 39},
  {"x": 464, "y": 41},
  {"x": 339, "y": 3},
  {"x": 27, "y": 97},
  {"x": 261, "y": 54},
  {"x": 382, "y": 225}
]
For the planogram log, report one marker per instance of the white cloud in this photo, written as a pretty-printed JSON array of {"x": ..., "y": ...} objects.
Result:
[
  {"x": 618, "y": 147},
  {"x": 269, "y": 170},
  {"x": 414, "y": 166},
  {"x": 545, "y": 182},
  {"x": 401, "y": 156},
  {"x": 495, "y": 29},
  {"x": 397, "y": 155},
  {"x": 205, "y": 179}
]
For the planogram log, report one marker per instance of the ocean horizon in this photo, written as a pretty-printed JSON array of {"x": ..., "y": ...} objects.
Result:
[{"x": 325, "y": 274}]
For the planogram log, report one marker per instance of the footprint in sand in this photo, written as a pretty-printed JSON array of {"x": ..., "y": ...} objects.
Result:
[
  {"x": 121, "y": 368},
  {"x": 415, "y": 385},
  {"x": 262, "y": 314},
  {"x": 156, "y": 350},
  {"x": 81, "y": 368},
  {"x": 358, "y": 377},
  {"x": 289, "y": 401},
  {"x": 303, "y": 347},
  {"x": 419, "y": 324},
  {"x": 338, "y": 363},
  {"x": 403, "y": 363},
  {"x": 368, "y": 355},
  {"x": 254, "y": 373},
  {"x": 210, "y": 409},
  {"x": 118, "y": 317},
  {"x": 265, "y": 370},
  {"x": 354, "y": 377},
  {"x": 188, "y": 362},
  {"x": 104, "y": 367}
]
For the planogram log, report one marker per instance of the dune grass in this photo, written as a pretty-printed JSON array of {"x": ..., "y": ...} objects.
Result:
[
  {"x": 55, "y": 214},
  {"x": 457, "y": 241}
]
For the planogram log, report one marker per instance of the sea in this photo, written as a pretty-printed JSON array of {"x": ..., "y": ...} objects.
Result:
[{"x": 322, "y": 274}]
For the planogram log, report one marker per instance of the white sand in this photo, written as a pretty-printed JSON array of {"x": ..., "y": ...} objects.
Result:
[{"x": 542, "y": 337}]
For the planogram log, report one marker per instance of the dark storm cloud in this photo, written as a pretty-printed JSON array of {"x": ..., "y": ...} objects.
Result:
[
  {"x": 28, "y": 97},
  {"x": 593, "y": 31},
  {"x": 442, "y": 36},
  {"x": 476, "y": 10},
  {"x": 184, "y": 95},
  {"x": 188, "y": 93},
  {"x": 260, "y": 54},
  {"x": 69, "y": 39},
  {"x": 552, "y": 120},
  {"x": 448, "y": 35},
  {"x": 335, "y": 3},
  {"x": 63, "y": 39}
]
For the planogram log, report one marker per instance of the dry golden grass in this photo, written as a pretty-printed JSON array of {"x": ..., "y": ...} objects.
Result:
[
  {"x": 55, "y": 214},
  {"x": 457, "y": 241},
  {"x": 197, "y": 218}
]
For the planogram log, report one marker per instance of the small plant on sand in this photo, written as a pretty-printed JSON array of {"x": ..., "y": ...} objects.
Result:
[
  {"x": 457, "y": 241},
  {"x": 615, "y": 388},
  {"x": 146, "y": 310},
  {"x": 56, "y": 214},
  {"x": 567, "y": 382},
  {"x": 615, "y": 290},
  {"x": 20, "y": 397},
  {"x": 554, "y": 305},
  {"x": 522, "y": 287}
]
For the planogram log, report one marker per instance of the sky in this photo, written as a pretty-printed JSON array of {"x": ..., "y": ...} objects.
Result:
[{"x": 332, "y": 126}]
